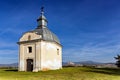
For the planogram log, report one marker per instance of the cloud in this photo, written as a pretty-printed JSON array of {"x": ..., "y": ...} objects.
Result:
[
  {"x": 90, "y": 52},
  {"x": 95, "y": 47},
  {"x": 8, "y": 52},
  {"x": 7, "y": 44},
  {"x": 11, "y": 31},
  {"x": 8, "y": 56}
]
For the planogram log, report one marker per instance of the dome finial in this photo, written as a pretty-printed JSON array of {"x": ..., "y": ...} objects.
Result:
[
  {"x": 42, "y": 10},
  {"x": 42, "y": 21}
]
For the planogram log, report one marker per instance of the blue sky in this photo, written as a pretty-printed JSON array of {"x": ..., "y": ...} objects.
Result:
[{"x": 87, "y": 29}]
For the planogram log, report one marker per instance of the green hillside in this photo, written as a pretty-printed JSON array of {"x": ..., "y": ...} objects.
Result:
[{"x": 71, "y": 73}]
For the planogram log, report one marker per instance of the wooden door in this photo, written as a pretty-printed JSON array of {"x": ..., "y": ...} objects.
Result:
[{"x": 29, "y": 64}]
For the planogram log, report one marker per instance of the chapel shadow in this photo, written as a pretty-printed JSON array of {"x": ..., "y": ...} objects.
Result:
[{"x": 12, "y": 70}]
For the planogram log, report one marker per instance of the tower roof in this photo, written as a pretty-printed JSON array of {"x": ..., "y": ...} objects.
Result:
[
  {"x": 42, "y": 17},
  {"x": 47, "y": 35}
]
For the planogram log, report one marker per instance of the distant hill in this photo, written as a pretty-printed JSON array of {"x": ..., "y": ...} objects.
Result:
[
  {"x": 84, "y": 63},
  {"x": 90, "y": 63}
]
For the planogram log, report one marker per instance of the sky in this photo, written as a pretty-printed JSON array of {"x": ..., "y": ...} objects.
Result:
[{"x": 89, "y": 30}]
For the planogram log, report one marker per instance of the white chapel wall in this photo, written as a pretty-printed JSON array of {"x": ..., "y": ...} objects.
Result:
[{"x": 50, "y": 58}]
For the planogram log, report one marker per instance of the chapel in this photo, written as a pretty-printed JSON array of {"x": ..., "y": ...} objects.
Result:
[{"x": 40, "y": 49}]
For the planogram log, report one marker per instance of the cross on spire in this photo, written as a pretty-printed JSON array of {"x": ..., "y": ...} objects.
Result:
[
  {"x": 42, "y": 10},
  {"x": 42, "y": 21}
]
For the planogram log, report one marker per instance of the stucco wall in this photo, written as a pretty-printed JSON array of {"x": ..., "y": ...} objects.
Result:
[
  {"x": 51, "y": 59},
  {"x": 46, "y": 55}
]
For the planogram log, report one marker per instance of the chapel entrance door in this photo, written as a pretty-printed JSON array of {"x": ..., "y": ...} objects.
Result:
[{"x": 29, "y": 64}]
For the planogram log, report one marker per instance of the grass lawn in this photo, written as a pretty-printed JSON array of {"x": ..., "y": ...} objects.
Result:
[{"x": 70, "y": 73}]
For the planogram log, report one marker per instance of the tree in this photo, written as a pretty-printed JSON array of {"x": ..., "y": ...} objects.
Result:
[{"x": 118, "y": 60}]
